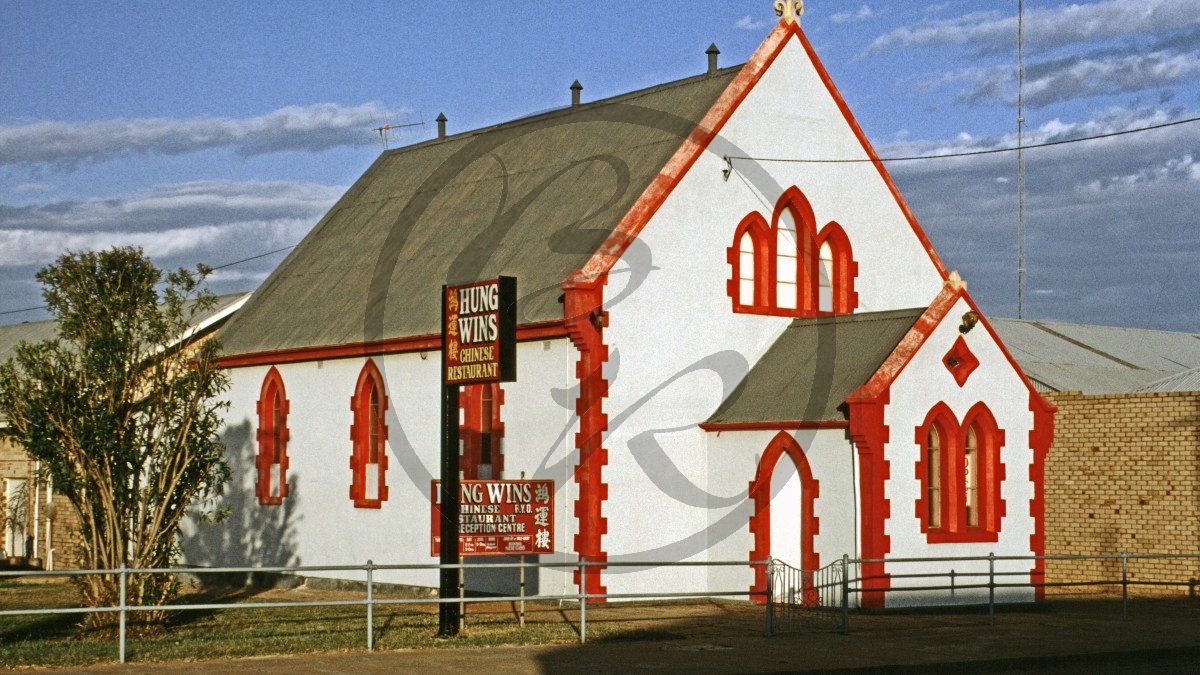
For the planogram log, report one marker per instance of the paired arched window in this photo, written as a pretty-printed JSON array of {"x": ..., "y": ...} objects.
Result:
[
  {"x": 272, "y": 458},
  {"x": 368, "y": 461},
  {"x": 481, "y": 431},
  {"x": 787, "y": 267},
  {"x": 960, "y": 473}
]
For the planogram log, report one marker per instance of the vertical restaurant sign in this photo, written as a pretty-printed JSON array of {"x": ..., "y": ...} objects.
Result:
[{"x": 479, "y": 333}]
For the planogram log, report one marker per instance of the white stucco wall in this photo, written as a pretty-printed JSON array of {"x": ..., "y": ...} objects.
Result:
[
  {"x": 680, "y": 317},
  {"x": 920, "y": 386},
  {"x": 318, "y": 524}
]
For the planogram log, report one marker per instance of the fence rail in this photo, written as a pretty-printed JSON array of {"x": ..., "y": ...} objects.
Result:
[{"x": 795, "y": 599}]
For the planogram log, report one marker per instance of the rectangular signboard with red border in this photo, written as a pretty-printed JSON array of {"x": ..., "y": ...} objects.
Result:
[
  {"x": 499, "y": 517},
  {"x": 479, "y": 336}
]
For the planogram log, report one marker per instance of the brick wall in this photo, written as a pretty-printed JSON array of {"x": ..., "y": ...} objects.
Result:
[
  {"x": 1123, "y": 475},
  {"x": 64, "y": 530}
]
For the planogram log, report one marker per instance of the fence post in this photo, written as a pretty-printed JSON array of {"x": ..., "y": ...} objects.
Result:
[
  {"x": 124, "y": 602},
  {"x": 770, "y": 591},
  {"x": 1125, "y": 586},
  {"x": 845, "y": 594},
  {"x": 992, "y": 589},
  {"x": 521, "y": 616},
  {"x": 582, "y": 600},
  {"x": 370, "y": 606}
]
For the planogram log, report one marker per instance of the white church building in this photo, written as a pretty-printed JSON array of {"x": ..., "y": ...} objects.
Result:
[{"x": 718, "y": 358}]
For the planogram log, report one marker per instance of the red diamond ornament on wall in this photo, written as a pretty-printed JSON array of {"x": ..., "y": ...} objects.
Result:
[{"x": 960, "y": 361}]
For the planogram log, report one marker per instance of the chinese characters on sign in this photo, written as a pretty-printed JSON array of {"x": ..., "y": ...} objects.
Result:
[
  {"x": 480, "y": 332},
  {"x": 500, "y": 517}
]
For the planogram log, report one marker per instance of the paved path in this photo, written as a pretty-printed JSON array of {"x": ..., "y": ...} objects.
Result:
[{"x": 1060, "y": 637}]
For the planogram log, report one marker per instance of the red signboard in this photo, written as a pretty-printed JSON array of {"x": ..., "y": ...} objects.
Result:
[
  {"x": 499, "y": 517},
  {"x": 479, "y": 335}
]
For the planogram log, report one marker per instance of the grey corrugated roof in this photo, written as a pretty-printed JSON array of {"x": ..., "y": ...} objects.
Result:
[
  {"x": 814, "y": 366},
  {"x": 1096, "y": 359},
  {"x": 532, "y": 198},
  {"x": 1188, "y": 380}
]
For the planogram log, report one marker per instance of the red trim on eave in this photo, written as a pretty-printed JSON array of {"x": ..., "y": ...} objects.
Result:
[
  {"x": 1004, "y": 350},
  {"x": 774, "y": 426},
  {"x": 908, "y": 347},
  {"x": 870, "y": 150},
  {"x": 689, "y": 151},
  {"x": 546, "y": 330}
]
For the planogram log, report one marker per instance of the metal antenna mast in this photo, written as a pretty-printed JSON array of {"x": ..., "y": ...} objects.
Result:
[{"x": 1020, "y": 159}]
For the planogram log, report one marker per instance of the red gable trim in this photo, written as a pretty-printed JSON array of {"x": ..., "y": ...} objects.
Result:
[
  {"x": 533, "y": 332},
  {"x": 870, "y": 150},
  {"x": 696, "y": 143},
  {"x": 904, "y": 352},
  {"x": 713, "y": 121}
]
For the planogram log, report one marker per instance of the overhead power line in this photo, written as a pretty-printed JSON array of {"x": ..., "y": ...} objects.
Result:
[
  {"x": 219, "y": 267},
  {"x": 972, "y": 153}
]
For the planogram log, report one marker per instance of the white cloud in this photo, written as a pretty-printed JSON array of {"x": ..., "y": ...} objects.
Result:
[
  {"x": 748, "y": 23},
  {"x": 1047, "y": 28},
  {"x": 211, "y": 222},
  {"x": 1109, "y": 222},
  {"x": 862, "y": 14},
  {"x": 1068, "y": 79},
  {"x": 312, "y": 128}
]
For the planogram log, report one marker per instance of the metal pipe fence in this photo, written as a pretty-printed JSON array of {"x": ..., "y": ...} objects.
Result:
[
  {"x": 789, "y": 594},
  {"x": 371, "y": 601}
]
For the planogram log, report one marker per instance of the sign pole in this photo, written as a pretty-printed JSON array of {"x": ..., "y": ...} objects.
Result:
[{"x": 448, "y": 614}]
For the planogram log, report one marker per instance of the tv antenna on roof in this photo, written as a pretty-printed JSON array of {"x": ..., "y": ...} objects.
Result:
[{"x": 388, "y": 128}]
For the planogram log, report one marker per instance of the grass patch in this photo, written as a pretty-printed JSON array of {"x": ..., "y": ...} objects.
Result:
[{"x": 61, "y": 640}]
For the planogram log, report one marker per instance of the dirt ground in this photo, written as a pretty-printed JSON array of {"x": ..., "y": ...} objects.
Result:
[{"x": 1058, "y": 636}]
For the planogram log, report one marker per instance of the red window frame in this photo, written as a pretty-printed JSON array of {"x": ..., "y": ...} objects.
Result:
[
  {"x": 765, "y": 237},
  {"x": 482, "y": 430},
  {"x": 272, "y": 435},
  {"x": 369, "y": 434},
  {"x": 945, "y": 478}
]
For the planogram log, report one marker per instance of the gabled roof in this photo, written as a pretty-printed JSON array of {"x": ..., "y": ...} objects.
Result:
[
  {"x": 533, "y": 198},
  {"x": 812, "y": 368},
  {"x": 1096, "y": 359}
]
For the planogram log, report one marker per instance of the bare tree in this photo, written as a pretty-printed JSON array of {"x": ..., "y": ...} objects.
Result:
[{"x": 122, "y": 409}]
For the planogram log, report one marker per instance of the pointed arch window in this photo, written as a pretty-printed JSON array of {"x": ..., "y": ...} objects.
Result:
[
  {"x": 368, "y": 434},
  {"x": 961, "y": 474},
  {"x": 481, "y": 433},
  {"x": 787, "y": 268},
  {"x": 272, "y": 435}
]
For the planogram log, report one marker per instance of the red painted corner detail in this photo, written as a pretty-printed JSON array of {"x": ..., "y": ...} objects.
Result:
[
  {"x": 585, "y": 319},
  {"x": 1041, "y": 436},
  {"x": 870, "y": 435}
]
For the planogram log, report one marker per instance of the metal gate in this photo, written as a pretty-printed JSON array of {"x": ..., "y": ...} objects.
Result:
[{"x": 813, "y": 600}]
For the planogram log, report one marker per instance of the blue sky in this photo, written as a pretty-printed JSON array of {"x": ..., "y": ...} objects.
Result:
[{"x": 212, "y": 132}]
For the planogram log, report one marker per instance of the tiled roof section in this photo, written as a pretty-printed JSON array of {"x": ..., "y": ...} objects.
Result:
[
  {"x": 814, "y": 366},
  {"x": 1096, "y": 359},
  {"x": 532, "y": 198}
]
